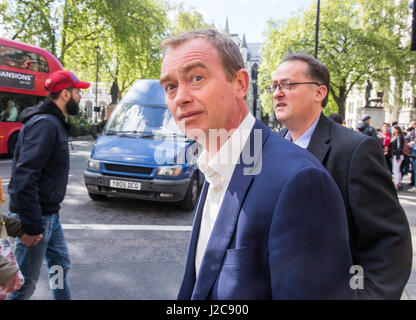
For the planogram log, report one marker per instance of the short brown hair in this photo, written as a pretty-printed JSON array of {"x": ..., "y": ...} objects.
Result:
[
  {"x": 316, "y": 70},
  {"x": 227, "y": 49}
]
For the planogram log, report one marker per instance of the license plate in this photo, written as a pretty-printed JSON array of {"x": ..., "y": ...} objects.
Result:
[{"x": 130, "y": 185}]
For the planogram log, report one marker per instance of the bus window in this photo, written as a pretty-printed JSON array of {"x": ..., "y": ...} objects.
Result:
[
  {"x": 23, "y": 71},
  {"x": 10, "y": 112},
  {"x": 21, "y": 59},
  {"x": 11, "y": 104}
]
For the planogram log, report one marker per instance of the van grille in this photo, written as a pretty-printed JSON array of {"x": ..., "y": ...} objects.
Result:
[{"x": 128, "y": 169}]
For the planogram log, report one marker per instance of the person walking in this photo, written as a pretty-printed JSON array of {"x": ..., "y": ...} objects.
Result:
[
  {"x": 380, "y": 239},
  {"x": 38, "y": 183},
  {"x": 386, "y": 144},
  {"x": 396, "y": 147},
  {"x": 410, "y": 138},
  {"x": 365, "y": 128},
  {"x": 9, "y": 279},
  {"x": 412, "y": 145}
]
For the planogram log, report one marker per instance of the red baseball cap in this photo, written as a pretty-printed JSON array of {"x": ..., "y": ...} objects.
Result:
[{"x": 64, "y": 79}]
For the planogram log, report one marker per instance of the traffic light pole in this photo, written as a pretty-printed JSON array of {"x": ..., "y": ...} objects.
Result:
[
  {"x": 317, "y": 29},
  {"x": 413, "y": 40}
]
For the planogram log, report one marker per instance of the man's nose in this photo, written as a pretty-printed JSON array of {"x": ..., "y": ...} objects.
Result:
[
  {"x": 278, "y": 91},
  {"x": 183, "y": 96}
]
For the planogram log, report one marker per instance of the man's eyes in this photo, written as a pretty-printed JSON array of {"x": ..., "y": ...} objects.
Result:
[{"x": 170, "y": 87}]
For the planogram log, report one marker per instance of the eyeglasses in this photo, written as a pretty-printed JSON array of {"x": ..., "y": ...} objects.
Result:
[{"x": 286, "y": 86}]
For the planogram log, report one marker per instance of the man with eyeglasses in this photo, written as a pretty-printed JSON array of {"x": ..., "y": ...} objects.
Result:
[{"x": 380, "y": 240}]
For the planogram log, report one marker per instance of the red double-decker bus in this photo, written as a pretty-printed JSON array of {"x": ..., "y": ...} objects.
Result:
[{"x": 23, "y": 71}]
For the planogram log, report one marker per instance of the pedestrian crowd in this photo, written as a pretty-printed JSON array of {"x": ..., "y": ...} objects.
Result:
[
  {"x": 398, "y": 143},
  {"x": 400, "y": 151}
]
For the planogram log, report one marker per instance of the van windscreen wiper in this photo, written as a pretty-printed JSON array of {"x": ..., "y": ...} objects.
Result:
[
  {"x": 134, "y": 133},
  {"x": 110, "y": 133},
  {"x": 179, "y": 135}
]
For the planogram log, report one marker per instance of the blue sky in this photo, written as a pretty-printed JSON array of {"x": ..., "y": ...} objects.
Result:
[{"x": 246, "y": 16}]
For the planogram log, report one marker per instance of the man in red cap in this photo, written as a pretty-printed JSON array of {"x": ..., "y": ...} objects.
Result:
[{"x": 38, "y": 184}]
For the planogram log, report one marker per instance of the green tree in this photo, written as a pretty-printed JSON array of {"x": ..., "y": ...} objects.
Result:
[
  {"x": 129, "y": 36},
  {"x": 128, "y": 33},
  {"x": 187, "y": 20},
  {"x": 358, "y": 40}
]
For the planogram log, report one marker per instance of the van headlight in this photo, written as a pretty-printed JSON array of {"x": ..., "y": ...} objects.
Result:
[
  {"x": 169, "y": 171},
  {"x": 93, "y": 164}
]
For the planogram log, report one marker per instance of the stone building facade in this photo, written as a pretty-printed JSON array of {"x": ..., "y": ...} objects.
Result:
[
  {"x": 251, "y": 52},
  {"x": 87, "y": 102}
]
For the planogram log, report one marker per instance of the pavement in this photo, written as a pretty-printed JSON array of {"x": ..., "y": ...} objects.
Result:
[
  {"x": 408, "y": 202},
  {"x": 81, "y": 138}
]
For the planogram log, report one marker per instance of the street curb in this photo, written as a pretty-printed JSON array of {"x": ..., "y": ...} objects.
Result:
[{"x": 81, "y": 138}]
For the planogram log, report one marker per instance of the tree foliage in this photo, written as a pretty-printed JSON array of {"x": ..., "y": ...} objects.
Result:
[
  {"x": 128, "y": 33},
  {"x": 187, "y": 20},
  {"x": 358, "y": 40}
]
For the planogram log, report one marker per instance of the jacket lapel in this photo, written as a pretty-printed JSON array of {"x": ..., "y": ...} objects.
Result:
[
  {"x": 188, "y": 281},
  {"x": 227, "y": 218},
  {"x": 319, "y": 143}
]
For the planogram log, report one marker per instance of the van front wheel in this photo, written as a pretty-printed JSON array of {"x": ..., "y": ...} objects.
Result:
[{"x": 191, "y": 197}]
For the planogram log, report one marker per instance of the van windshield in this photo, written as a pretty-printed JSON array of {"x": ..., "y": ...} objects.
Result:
[{"x": 143, "y": 121}]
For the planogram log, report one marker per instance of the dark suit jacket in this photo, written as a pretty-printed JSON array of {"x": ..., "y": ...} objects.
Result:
[
  {"x": 379, "y": 231},
  {"x": 281, "y": 232}
]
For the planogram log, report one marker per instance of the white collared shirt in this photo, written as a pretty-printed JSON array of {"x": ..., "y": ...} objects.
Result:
[
  {"x": 304, "y": 140},
  {"x": 218, "y": 172}
]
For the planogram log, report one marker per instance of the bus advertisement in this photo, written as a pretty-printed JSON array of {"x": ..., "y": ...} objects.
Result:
[{"x": 23, "y": 71}]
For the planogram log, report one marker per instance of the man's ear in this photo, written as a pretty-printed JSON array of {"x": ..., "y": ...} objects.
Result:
[
  {"x": 321, "y": 93},
  {"x": 65, "y": 95},
  {"x": 242, "y": 80}
]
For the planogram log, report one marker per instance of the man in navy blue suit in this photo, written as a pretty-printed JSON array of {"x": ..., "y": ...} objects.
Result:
[{"x": 270, "y": 223}]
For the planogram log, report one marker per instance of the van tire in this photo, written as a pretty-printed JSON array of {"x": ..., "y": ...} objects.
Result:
[
  {"x": 191, "y": 198},
  {"x": 11, "y": 144},
  {"x": 97, "y": 197}
]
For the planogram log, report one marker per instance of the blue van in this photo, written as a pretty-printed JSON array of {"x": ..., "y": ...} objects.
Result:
[{"x": 142, "y": 154}]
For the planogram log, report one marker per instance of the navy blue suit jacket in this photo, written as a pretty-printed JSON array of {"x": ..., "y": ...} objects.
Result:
[{"x": 281, "y": 233}]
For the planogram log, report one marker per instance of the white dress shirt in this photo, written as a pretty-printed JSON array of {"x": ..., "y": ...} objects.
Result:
[
  {"x": 218, "y": 172},
  {"x": 304, "y": 140}
]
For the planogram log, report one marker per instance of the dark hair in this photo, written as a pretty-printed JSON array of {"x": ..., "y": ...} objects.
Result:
[
  {"x": 399, "y": 130},
  {"x": 316, "y": 70},
  {"x": 227, "y": 49},
  {"x": 55, "y": 95},
  {"x": 336, "y": 117}
]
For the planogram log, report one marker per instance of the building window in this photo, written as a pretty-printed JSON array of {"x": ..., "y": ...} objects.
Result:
[{"x": 88, "y": 107}]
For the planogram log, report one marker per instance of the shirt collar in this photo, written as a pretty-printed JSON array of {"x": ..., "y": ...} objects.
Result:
[
  {"x": 304, "y": 140},
  {"x": 220, "y": 168}
]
